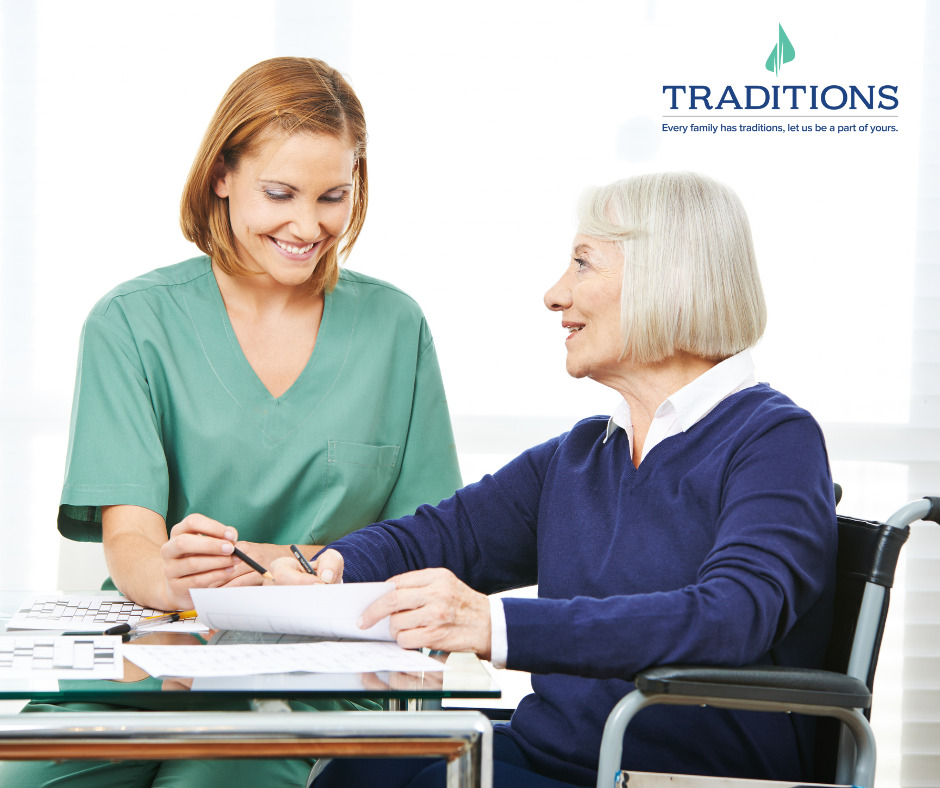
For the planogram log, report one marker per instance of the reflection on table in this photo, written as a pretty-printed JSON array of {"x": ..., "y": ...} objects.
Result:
[{"x": 465, "y": 676}]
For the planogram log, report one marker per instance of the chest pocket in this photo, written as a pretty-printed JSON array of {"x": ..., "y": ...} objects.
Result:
[{"x": 364, "y": 475}]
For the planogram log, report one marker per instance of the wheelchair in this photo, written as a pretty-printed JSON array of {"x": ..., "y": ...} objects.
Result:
[{"x": 868, "y": 554}]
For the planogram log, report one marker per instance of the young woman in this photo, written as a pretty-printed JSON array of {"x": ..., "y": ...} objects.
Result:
[
  {"x": 258, "y": 384},
  {"x": 256, "y": 395}
]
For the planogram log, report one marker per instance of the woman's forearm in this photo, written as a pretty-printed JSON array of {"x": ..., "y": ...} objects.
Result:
[
  {"x": 158, "y": 570},
  {"x": 132, "y": 537}
]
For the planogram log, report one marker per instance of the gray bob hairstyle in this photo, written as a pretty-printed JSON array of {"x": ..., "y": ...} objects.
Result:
[{"x": 690, "y": 280}]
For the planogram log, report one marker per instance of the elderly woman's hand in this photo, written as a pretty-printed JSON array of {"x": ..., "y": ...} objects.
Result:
[
  {"x": 431, "y": 608},
  {"x": 328, "y": 568}
]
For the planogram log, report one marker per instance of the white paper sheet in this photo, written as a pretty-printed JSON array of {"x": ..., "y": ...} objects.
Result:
[
  {"x": 87, "y": 613},
  {"x": 252, "y": 659},
  {"x": 61, "y": 657},
  {"x": 328, "y": 610}
]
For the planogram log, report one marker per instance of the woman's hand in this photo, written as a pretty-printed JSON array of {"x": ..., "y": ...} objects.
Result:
[
  {"x": 156, "y": 571},
  {"x": 263, "y": 553},
  {"x": 328, "y": 568},
  {"x": 198, "y": 554},
  {"x": 431, "y": 608}
]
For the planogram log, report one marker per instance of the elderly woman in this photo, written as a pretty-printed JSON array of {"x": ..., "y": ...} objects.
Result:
[{"x": 696, "y": 524}]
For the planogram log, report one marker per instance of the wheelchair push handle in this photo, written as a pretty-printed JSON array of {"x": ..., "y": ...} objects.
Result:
[
  {"x": 934, "y": 514},
  {"x": 927, "y": 508}
]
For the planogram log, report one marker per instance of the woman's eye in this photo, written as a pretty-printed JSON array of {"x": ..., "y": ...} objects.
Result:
[
  {"x": 334, "y": 196},
  {"x": 276, "y": 195},
  {"x": 580, "y": 264}
]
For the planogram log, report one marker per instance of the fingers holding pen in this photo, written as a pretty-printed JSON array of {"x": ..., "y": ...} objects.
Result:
[
  {"x": 329, "y": 566},
  {"x": 197, "y": 534},
  {"x": 327, "y": 569},
  {"x": 200, "y": 546}
]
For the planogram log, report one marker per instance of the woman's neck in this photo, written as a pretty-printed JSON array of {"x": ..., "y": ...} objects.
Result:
[
  {"x": 647, "y": 386},
  {"x": 257, "y": 296}
]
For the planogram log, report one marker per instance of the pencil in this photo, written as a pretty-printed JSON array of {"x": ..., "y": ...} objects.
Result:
[
  {"x": 303, "y": 561},
  {"x": 179, "y": 613},
  {"x": 252, "y": 563}
]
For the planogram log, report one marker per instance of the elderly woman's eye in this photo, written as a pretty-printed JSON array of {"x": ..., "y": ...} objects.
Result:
[{"x": 580, "y": 263}]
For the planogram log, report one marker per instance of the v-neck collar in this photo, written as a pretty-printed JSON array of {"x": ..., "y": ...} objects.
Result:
[{"x": 277, "y": 417}]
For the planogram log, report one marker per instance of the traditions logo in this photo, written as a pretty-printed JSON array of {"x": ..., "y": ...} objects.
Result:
[
  {"x": 780, "y": 97},
  {"x": 782, "y": 53}
]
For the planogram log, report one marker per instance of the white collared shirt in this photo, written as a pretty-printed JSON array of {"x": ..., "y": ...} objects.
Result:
[
  {"x": 690, "y": 404},
  {"x": 679, "y": 412}
]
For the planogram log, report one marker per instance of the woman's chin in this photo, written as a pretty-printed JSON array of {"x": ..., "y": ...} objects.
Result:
[
  {"x": 575, "y": 370},
  {"x": 291, "y": 276}
]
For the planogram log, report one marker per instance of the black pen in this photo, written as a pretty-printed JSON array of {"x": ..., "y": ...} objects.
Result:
[
  {"x": 303, "y": 561},
  {"x": 252, "y": 563},
  {"x": 143, "y": 624}
]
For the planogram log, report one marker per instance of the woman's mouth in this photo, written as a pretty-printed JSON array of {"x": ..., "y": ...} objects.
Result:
[
  {"x": 572, "y": 329},
  {"x": 297, "y": 252}
]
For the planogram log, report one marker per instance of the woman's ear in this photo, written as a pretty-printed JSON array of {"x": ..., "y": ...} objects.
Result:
[{"x": 220, "y": 178}]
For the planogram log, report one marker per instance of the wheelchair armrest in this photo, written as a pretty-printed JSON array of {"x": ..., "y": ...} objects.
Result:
[
  {"x": 757, "y": 687},
  {"x": 757, "y": 682}
]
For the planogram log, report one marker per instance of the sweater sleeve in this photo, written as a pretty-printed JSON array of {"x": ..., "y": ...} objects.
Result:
[
  {"x": 485, "y": 533},
  {"x": 772, "y": 559}
]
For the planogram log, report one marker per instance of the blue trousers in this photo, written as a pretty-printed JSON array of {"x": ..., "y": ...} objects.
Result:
[{"x": 511, "y": 769}]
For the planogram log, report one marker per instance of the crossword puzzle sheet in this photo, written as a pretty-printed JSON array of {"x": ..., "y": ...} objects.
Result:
[
  {"x": 88, "y": 614},
  {"x": 78, "y": 613},
  {"x": 61, "y": 657}
]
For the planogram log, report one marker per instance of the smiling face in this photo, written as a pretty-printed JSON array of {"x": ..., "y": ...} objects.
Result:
[
  {"x": 588, "y": 297},
  {"x": 288, "y": 202}
]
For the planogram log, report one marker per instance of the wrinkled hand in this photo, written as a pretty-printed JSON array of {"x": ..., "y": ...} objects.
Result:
[
  {"x": 431, "y": 608},
  {"x": 198, "y": 554},
  {"x": 288, "y": 571}
]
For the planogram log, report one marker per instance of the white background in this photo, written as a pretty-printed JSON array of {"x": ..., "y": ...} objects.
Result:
[{"x": 486, "y": 120}]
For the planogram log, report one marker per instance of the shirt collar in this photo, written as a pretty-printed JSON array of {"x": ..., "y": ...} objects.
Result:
[{"x": 694, "y": 401}]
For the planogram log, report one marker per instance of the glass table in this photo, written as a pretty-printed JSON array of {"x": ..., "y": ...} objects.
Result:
[{"x": 174, "y": 718}]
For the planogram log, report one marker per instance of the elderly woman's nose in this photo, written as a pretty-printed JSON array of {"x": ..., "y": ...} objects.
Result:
[{"x": 558, "y": 296}]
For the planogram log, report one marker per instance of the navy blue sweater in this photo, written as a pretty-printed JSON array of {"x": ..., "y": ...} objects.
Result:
[{"x": 719, "y": 549}]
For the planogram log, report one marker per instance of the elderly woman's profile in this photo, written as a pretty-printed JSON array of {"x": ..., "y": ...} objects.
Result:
[{"x": 696, "y": 524}]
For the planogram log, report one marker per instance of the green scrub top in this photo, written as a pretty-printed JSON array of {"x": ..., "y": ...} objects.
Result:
[{"x": 168, "y": 414}]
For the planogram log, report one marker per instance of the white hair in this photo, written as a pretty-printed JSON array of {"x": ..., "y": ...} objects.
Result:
[{"x": 690, "y": 279}]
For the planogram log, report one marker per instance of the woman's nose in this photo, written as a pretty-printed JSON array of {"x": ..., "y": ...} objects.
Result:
[
  {"x": 558, "y": 296},
  {"x": 307, "y": 224}
]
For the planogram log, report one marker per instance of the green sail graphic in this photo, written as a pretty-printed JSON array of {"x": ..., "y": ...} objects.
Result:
[{"x": 782, "y": 53}]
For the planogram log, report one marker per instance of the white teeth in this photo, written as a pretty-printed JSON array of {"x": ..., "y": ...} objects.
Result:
[{"x": 295, "y": 249}]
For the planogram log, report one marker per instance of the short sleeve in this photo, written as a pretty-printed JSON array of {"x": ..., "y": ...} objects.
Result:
[{"x": 115, "y": 452}]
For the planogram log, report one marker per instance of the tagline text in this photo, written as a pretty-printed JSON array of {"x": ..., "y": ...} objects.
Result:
[{"x": 786, "y": 128}]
